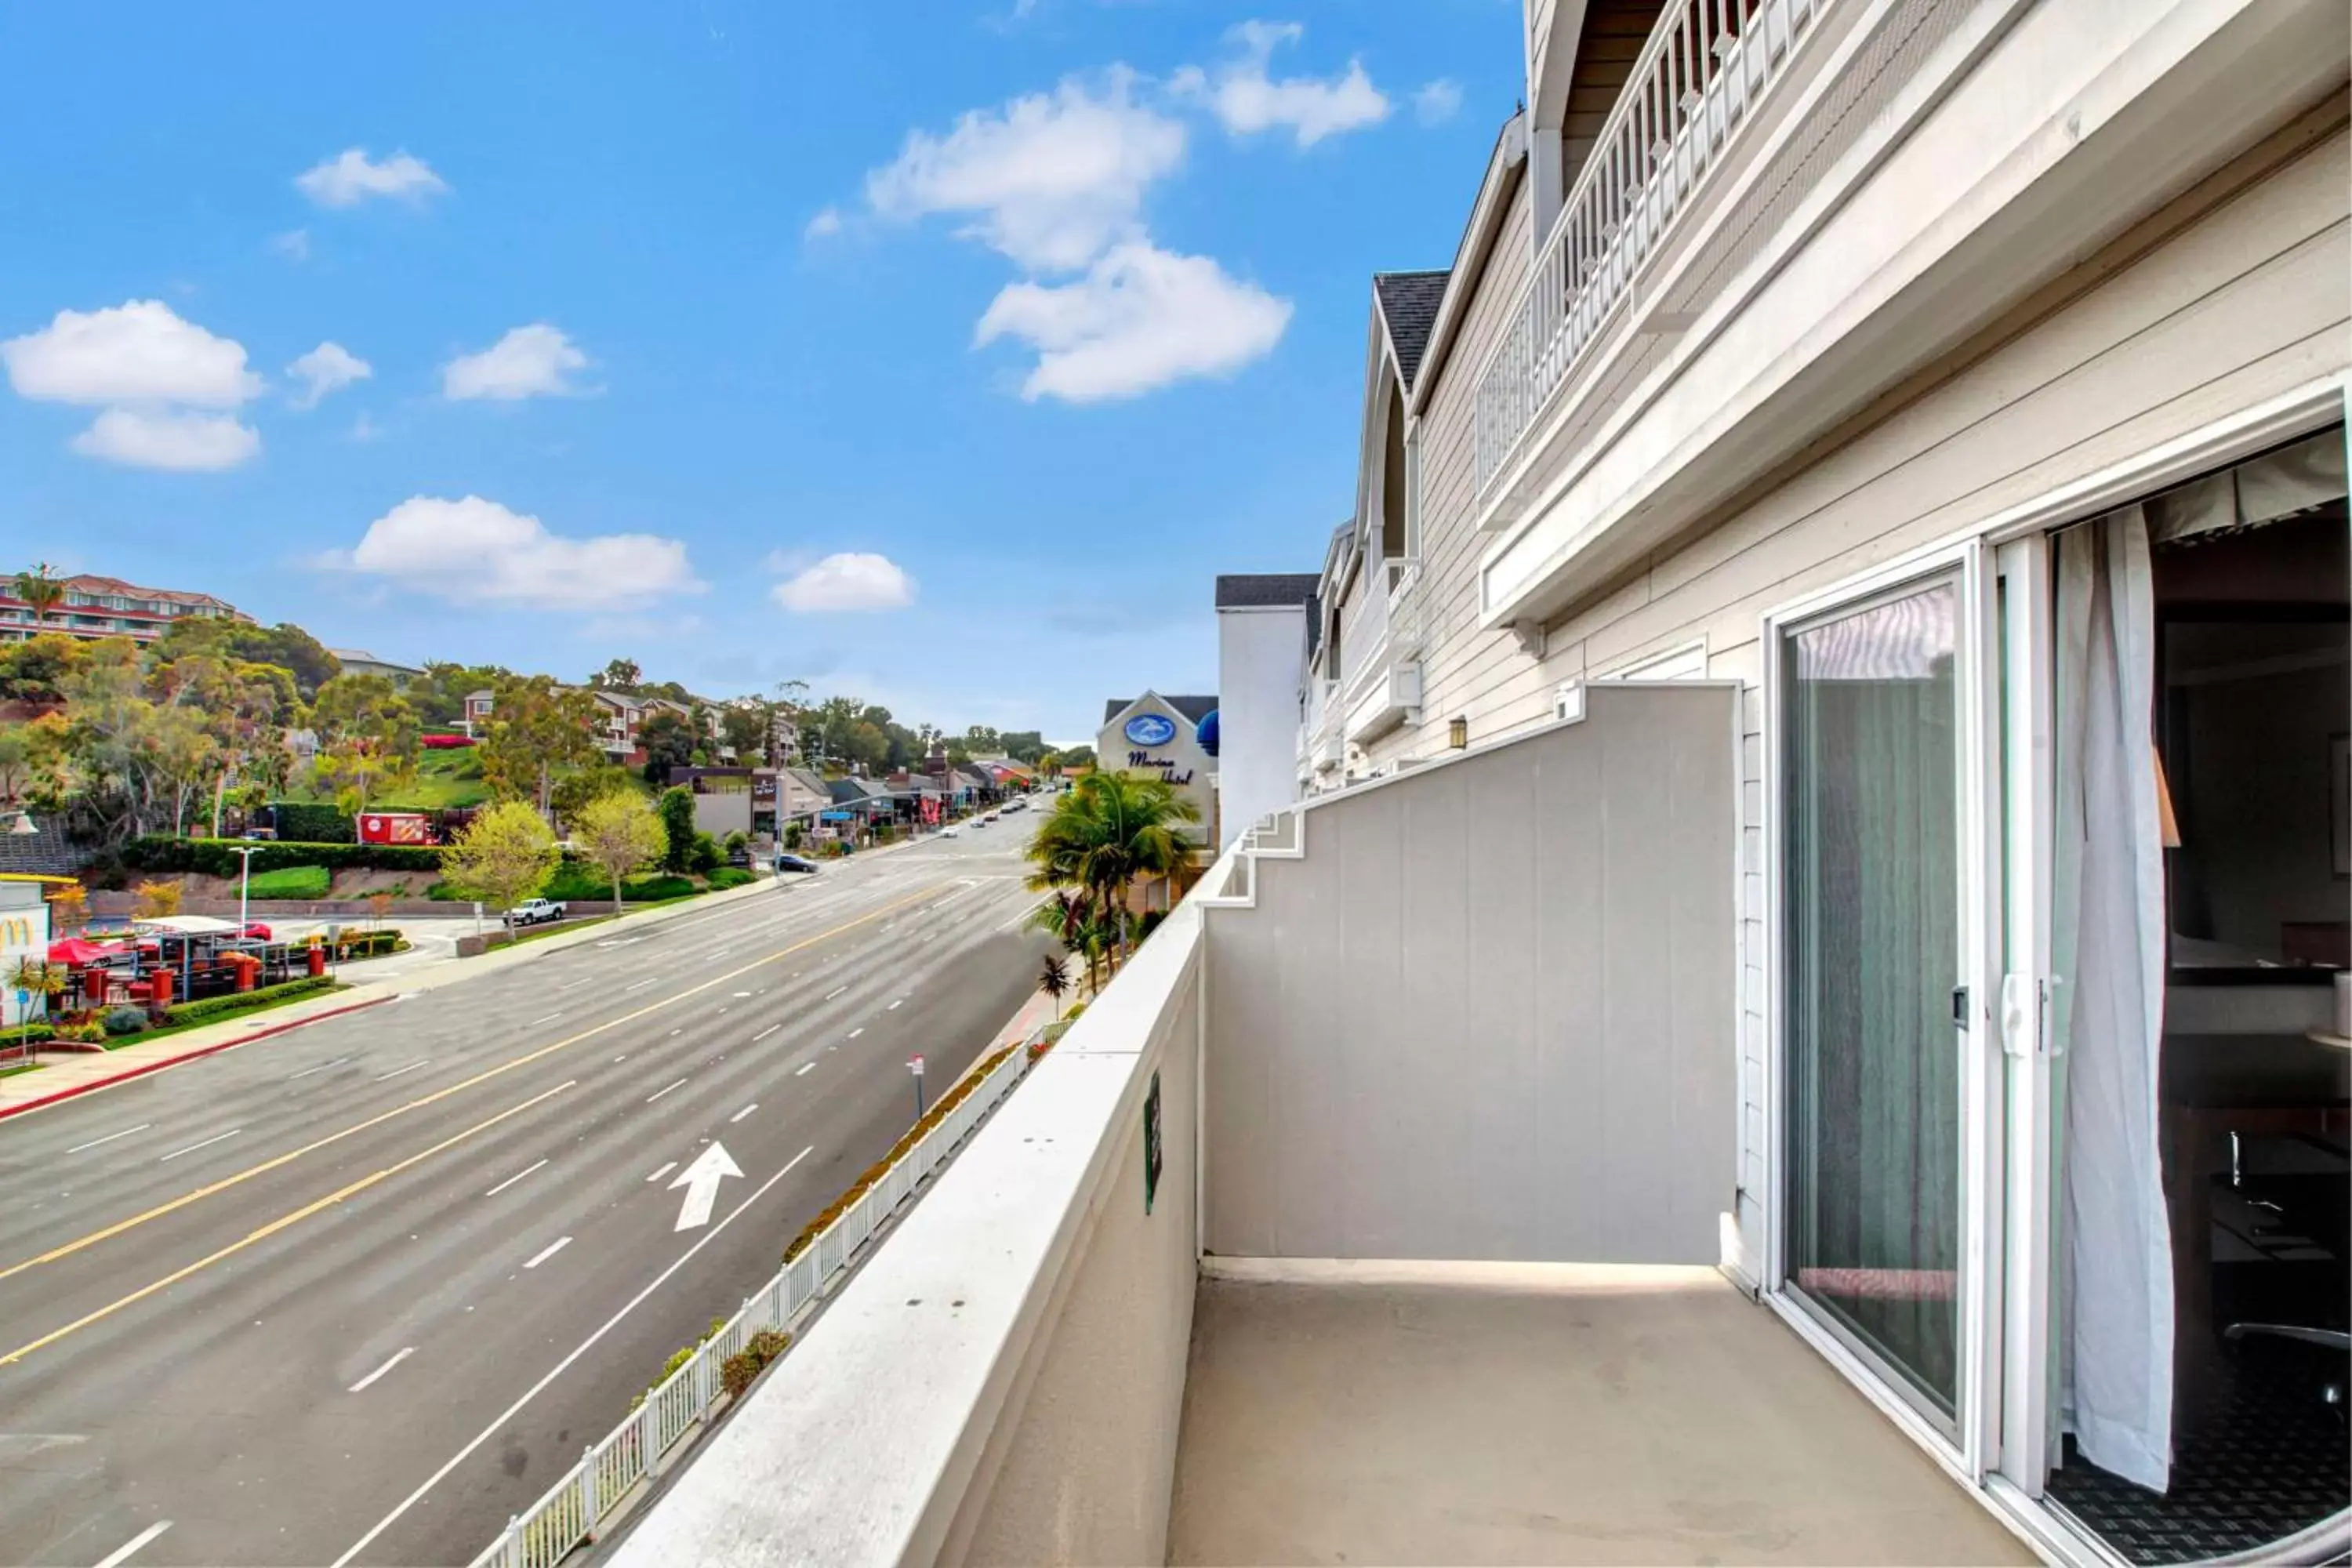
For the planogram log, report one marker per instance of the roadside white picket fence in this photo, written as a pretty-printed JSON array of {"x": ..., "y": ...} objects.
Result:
[{"x": 568, "y": 1514}]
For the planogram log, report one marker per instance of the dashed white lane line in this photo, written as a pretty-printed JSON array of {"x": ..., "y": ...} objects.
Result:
[
  {"x": 574, "y": 985},
  {"x": 857, "y": 1031},
  {"x": 640, "y": 985},
  {"x": 109, "y": 1138},
  {"x": 550, "y": 1250},
  {"x": 803, "y": 1071},
  {"x": 742, "y": 1113},
  {"x": 557, "y": 1370},
  {"x": 205, "y": 1145},
  {"x": 834, "y": 992},
  {"x": 398, "y": 1357},
  {"x": 121, "y": 1555},
  {"x": 895, "y": 1005},
  {"x": 741, "y": 993},
  {"x": 664, "y": 1171},
  {"x": 755, "y": 1039},
  {"x": 510, "y": 1181},
  {"x": 535, "y": 1023},
  {"x": 322, "y": 1067},
  {"x": 397, "y": 1071},
  {"x": 659, "y": 1092}
]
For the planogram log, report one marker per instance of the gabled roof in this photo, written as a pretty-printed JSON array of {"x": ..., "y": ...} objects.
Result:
[
  {"x": 1409, "y": 302},
  {"x": 1265, "y": 590},
  {"x": 1193, "y": 707}
]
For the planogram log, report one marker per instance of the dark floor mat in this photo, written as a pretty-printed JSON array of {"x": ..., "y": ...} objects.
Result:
[{"x": 2272, "y": 1461}]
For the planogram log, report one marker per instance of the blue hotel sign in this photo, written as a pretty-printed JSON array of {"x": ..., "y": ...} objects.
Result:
[{"x": 1149, "y": 730}]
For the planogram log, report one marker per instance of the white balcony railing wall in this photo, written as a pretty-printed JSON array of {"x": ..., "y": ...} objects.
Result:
[
  {"x": 1706, "y": 65},
  {"x": 1380, "y": 643}
]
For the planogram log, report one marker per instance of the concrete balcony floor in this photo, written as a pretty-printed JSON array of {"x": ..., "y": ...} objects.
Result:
[{"x": 1437, "y": 1415}]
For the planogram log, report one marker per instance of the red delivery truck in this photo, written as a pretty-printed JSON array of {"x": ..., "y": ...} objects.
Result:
[{"x": 396, "y": 828}]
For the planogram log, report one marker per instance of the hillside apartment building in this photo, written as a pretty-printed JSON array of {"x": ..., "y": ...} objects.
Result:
[
  {"x": 95, "y": 606},
  {"x": 1799, "y": 1019}
]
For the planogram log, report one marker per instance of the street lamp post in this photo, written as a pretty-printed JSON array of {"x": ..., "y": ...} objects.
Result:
[{"x": 245, "y": 854}]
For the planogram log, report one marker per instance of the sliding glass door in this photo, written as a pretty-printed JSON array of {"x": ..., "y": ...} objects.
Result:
[{"x": 1872, "y": 971}]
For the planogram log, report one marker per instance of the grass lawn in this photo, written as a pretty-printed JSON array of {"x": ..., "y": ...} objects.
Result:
[
  {"x": 291, "y": 882},
  {"x": 444, "y": 779},
  {"x": 20, "y": 1067}
]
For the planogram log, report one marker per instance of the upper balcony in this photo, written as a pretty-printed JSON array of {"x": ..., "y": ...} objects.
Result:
[
  {"x": 1798, "y": 208},
  {"x": 1380, "y": 639},
  {"x": 1332, "y": 1235}
]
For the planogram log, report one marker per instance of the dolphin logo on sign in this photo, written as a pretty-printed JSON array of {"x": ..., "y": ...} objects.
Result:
[{"x": 1150, "y": 730}]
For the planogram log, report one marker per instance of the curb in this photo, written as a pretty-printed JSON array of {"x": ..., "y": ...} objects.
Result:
[{"x": 145, "y": 1067}]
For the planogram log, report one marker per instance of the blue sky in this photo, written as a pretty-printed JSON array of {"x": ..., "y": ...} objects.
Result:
[{"x": 938, "y": 353}]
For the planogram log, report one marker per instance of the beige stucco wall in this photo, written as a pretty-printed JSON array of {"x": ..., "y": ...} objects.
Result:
[{"x": 1080, "y": 1466}]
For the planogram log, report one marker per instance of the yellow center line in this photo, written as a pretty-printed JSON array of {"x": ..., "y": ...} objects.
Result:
[
  {"x": 66, "y": 1250},
  {"x": 281, "y": 1223}
]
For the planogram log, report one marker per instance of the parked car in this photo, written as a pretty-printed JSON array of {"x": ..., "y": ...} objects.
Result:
[
  {"x": 534, "y": 912},
  {"x": 254, "y": 932},
  {"x": 740, "y": 858},
  {"x": 794, "y": 863},
  {"x": 951, "y": 831}
]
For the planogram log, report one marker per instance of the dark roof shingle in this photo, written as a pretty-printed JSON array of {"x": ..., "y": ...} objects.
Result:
[
  {"x": 1409, "y": 303},
  {"x": 1193, "y": 707},
  {"x": 1265, "y": 589}
]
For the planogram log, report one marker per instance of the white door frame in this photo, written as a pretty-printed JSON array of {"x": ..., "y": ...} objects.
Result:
[{"x": 1962, "y": 1450}]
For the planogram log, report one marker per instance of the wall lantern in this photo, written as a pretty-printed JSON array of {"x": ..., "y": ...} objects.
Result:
[{"x": 1458, "y": 733}]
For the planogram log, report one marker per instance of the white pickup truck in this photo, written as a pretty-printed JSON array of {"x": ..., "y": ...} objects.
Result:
[{"x": 534, "y": 912}]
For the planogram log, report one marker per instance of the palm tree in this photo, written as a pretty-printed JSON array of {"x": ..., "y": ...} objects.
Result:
[
  {"x": 1109, "y": 830},
  {"x": 1054, "y": 980},
  {"x": 39, "y": 587}
]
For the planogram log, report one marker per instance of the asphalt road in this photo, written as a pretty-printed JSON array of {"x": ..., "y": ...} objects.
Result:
[{"x": 364, "y": 1291}]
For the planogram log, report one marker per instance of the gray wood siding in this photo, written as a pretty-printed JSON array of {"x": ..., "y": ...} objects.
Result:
[{"x": 2242, "y": 303}]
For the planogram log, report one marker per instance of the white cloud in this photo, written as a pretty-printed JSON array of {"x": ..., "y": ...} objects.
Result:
[
  {"x": 475, "y": 552},
  {"x": 163, "y": 438},
  {"x": 826, "y": 221},
  {"x": 365, "y": 429},
  {"x": 852, "y": 580},
  {"x": 1140, "y": 317},
  {"x": 1248, "y": 101},
  {"x": 1438, "y": 101},
  {"x": 529, "y": 362},
  {"x": 294, "y": 245},
  {"x": 1050, "y": 180},
  {"x": 352, "y": 177},
  {"x": 140, "y": 352},
  {"x": 323, "y": 370}
]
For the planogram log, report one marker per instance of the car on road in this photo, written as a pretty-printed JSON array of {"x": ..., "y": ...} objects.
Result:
[
  {"x": 794, "y": 863},
  {"x": 951, "y": 831},
  {"x": 533, "y": 911}
]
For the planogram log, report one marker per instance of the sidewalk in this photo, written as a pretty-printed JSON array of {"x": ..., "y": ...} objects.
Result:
[{"x": 63, "y": 1075}]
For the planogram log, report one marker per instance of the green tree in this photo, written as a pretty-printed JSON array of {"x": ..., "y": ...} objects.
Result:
[
  {"x": 618, "y": 674},
  {"x": 41, "y": 589},
  {"x": 35, "y": 670},
  {"x": 1054, "y": 980},
  {"x": 1075, "y": 758},
  {"x": 367, "y": 737},
  {"x": 677, "y": 829},
  {"x": 574, "y": 790},
  {"x": 1110, "y": 830},
  {"x": 621, "y": 833},
  {"x": 536, "y": 731},
  {"x": 747, "y": 725},
  {"x": 502, "y": 856},
  {"x": 667, "y": 741},
  {"x": 1022, "y": 746}
]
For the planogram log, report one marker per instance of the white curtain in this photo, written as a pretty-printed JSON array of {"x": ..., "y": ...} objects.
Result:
[{"x": 2116, "y": 1341}]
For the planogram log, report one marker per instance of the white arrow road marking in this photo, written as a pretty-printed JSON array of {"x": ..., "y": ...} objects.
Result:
[
  {"x": 557, "y": 1370},
  {"x": 701, "y": 1181},
  {"x": 399, "y": 1357},
  {"x": 121, "y": 1555}
]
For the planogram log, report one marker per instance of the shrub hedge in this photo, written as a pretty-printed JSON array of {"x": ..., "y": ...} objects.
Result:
[
  {"x": 212, "y": 856},
  {"x": 738, "y": 1371},
  {"x": 308, "y": 822},
  {"x": 729, "y": 877},
  {"x": 237, "y": 1001}
]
